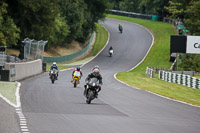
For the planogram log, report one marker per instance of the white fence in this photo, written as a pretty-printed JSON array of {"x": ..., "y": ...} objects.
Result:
[
  {"x": 182, "y": 79},
  {"x": 150, "y": 72}
]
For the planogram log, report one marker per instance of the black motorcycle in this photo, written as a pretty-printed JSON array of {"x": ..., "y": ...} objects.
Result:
[
  {"x": 92, "y": 88},
  {"x": 53, "y": 75},
  {"x": 120, "y": 29}
]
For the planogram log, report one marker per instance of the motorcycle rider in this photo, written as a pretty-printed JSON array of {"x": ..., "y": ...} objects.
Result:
[
  {"x": 95, "y": 74},
  {"x": 54, "y": 65},
  {"x": 111, "y": 48},
  {"x": 78, "y": 69},
  {"x": 96, "y": 67},
  {"x": 120, "y": 27}
]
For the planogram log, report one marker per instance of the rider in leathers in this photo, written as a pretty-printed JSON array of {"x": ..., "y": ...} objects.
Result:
[
  {"x": 94, "y": 74},
  {"x": 79, "y": 70},
  {"x": 54, "y": 65}
]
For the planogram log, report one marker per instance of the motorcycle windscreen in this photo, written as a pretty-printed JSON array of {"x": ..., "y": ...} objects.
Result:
[
  {"x": 93, "y": 80},
  {"x": 76, "y": 74},
  {"x": 54, "y": 70}
]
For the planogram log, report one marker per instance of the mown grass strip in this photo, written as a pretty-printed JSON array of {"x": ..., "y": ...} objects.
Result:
[
  {"x": 157, "y": 57},
  {"x": 8, "y": 89}
]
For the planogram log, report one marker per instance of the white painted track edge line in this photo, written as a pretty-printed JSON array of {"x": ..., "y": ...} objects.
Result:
[
  {"x": 17, "y": 95},
  {"x": 7, "y": 101}
]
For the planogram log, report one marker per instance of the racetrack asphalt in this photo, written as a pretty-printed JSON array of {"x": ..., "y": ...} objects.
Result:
[{"x": 61, "y": 108}]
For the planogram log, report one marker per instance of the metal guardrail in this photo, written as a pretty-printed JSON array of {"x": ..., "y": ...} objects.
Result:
[
  {"x": 130, "y": 14},
  {"x": 65, "y": 58}
]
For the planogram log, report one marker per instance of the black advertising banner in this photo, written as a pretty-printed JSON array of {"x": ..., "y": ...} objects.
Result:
[{"x": 178, "y": 44}]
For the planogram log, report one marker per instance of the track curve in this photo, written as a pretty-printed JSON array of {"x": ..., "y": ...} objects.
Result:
[{"x": 60, "y": 108}]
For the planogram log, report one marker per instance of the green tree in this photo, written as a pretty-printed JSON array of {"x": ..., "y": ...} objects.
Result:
[
  {"x": 59, "y": 32},
  {"x": 114, "y": 4},
  {"x": 177, "y": 8},
  {"x": 155, "y": 6},
  {"x": 192, "y": 19},
  {"x": 73, "y": 11},
  {"x": 190, "y": 62},
  {"x": 9, "y": 33},
  {"x": 95, "y": 11},
  {"x": 130, "y": 5},
  {"x": 39, "y": 20}
]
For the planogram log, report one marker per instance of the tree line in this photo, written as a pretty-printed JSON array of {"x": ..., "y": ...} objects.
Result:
[{"x": 58, "y": 21}]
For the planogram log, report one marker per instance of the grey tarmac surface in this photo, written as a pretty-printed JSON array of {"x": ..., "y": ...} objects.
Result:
[
  {"x": 60, "y": 108},
  {"x": 8, "y": 118}
]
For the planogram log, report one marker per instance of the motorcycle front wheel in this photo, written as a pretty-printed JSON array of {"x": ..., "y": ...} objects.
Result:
[
  {"x": 90, "y": 97},
  {"x": 75, "y": 83}
]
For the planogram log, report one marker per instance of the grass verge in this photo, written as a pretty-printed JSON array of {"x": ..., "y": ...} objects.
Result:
[
  {"x": 8, "y": 90},
  {"x": 157, "y": 57},
  {"x": 101, "y": 39}
]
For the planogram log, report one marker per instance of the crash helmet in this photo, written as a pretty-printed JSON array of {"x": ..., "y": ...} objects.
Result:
[
  {"x": 78, "y": 68},
  {"x": 54, "y": 64},
  {"x": 96, "y": 72},
  {"x": 97, "y": 67}
]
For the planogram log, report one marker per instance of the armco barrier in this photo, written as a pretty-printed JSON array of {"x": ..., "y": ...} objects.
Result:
[
  {"x": 18, "y": 71},
  {"x": 70, "y": 57},
  {"x": 182, "y": 79},
  {"x": 131, "y": 14}
]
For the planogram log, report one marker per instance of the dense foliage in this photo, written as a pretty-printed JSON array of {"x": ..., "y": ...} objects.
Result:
[
  {"x": 9, "y": 33},
  {"x": 141, "y": 6},
  {"x": 59, "y": 22}
]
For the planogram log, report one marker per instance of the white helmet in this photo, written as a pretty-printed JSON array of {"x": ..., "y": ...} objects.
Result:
[
  {"x": 96, "y": 67},
  {"x": 96, "y": 71},
  {"x": 54, "y": 63}
]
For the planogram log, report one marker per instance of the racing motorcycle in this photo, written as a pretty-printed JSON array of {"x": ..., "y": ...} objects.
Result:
[
  {"x": 120, "y": 29},
  {"x": 92, "y": 88},
  {"x": 76, "y": 78},
  {"x": 53, "y": 75},
  {"x": 111, "y": 51}
]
